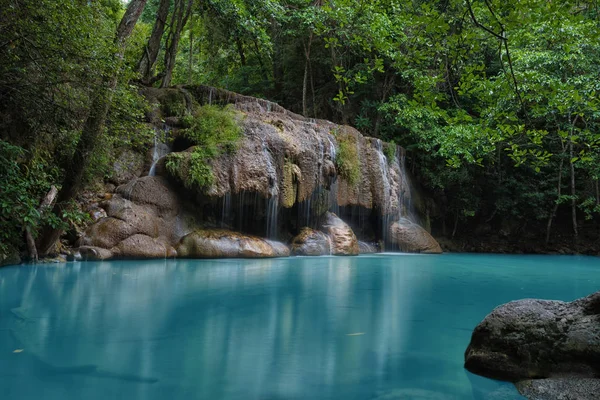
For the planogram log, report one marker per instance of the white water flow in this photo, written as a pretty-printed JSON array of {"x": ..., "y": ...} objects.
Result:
[
  {"x": 389, "y": 210},
  {"x": 333, "y": 190},
  {"x": 272, "y": 214},
  {"x": 226, "y": 210},
  {"x": 160, "y": 148},
  {"x": 273, "y": 200},
  {"x": 405, "y": 202},
  {"x": 330, "y": 244}
]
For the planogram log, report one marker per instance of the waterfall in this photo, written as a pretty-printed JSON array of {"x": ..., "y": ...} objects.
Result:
[
  {"x": 333, "y": 190},
  {"x": 161, "y": 148},
  {"x": 273, "y": 200},
  {"x": 226, "y": 210},
  {"x": 272, "y": 214}
]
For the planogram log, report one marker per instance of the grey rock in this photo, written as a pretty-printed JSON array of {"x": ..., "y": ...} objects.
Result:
[
  {"x": 128, "y": 165},
  {"x": 567, "y": 388},
  {"x": 557, "y": 344}
]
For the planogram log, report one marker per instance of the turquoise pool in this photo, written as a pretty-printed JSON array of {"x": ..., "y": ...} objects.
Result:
[{"x": 383, "y": 326}]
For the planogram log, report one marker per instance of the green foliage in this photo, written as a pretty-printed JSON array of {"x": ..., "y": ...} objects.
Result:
[
  {"x": 389, "y": 149},
  {"x": 346, "y": 160},
  {"x": 213, "y": 130},
  {"x": 22, "y": 185}
]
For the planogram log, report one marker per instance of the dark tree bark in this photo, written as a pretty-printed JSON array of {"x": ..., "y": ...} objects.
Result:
[
  {"x": 573, "y": 191},
  {"x": 181, "y": 13},
  {"x": 92, "y": 128},
  {"x": 150, "y": 55},
  {"x": 558, "y": 194}
]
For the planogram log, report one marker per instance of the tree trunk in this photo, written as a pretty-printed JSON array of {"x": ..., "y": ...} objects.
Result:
[
  {"x": 92, "y": 128},
  {"x": 573, "y": 191},
  {"x": 150, "y": 55},
  {"x": 46, "y": 203},
  {"x": 558, "y": 191},
  {"x": 304, "y": 86},
  {"x": 455, "y": 225},
  {"x": 191, "y": 52},
  {"x": 181, "y": 13},
  {"x": 305, "y": 82}
]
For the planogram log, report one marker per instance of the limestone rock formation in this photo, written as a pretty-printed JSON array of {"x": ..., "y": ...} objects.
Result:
[
  {"x": 343, "y": 239},
  {"x": 127, "y": 166},
  {"x": 143, "y": 221},
  {"x": 411, "y": 238},
  {"x": 219, "y": 243},
  {"x": 310, "y": 242},
  {"x": 284, "y": 165},
  {"x": 535, "y": 339}
]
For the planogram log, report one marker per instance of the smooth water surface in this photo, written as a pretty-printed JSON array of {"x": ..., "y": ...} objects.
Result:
[{"x": 369, "y": 327}]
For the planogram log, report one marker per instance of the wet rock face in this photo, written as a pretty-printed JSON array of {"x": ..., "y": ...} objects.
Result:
[
  {"x": 141, "y": 222},
  {"x": 310, "y": 242},
  {"x": 343, "y": 239},
  {"x": 219, "y": 243},
  {"x": 289, "y": 157},
  {"x": 411, "y": 238},
  {"x": 532, "y": 339},
  {"x": 128, "y": 165}
]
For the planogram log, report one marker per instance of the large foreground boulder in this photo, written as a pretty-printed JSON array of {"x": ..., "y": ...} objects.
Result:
[
  {"x": 343, "y": 239},
  {"x": 412, "y": 238},
  {"x": 220, "y": 243},
  {"x": 536, "y": 339}
]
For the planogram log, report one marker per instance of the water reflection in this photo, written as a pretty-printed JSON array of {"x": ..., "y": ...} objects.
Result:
[{"x": 377, "y": 327}]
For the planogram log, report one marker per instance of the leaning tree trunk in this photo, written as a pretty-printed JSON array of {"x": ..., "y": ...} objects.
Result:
[
  {"x": 181, "y": 13},
  {"x": 92, "y": 128},
  {"x": 46, "y": 203},
  {"x": 573, "y": 191},
  {"x": 556, "y": 204},
  {"x": 150, "y": 55}
]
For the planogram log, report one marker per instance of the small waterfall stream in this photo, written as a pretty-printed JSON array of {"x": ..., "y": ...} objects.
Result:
[{"x": 161, "y": 148}]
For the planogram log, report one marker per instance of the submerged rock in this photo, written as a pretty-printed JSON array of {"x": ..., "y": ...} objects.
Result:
[
  {"x": 343, "y": 239},
  {"x": 220, "y": 243},
  {"x": 310, "y": 242},
  {"x": 412, "y": 238},
  {"x": 534, "y": 339},
  {"x": 561, "y": 388}
]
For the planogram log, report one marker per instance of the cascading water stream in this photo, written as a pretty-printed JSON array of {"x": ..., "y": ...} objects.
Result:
[{"x": 161, "y": 148}]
